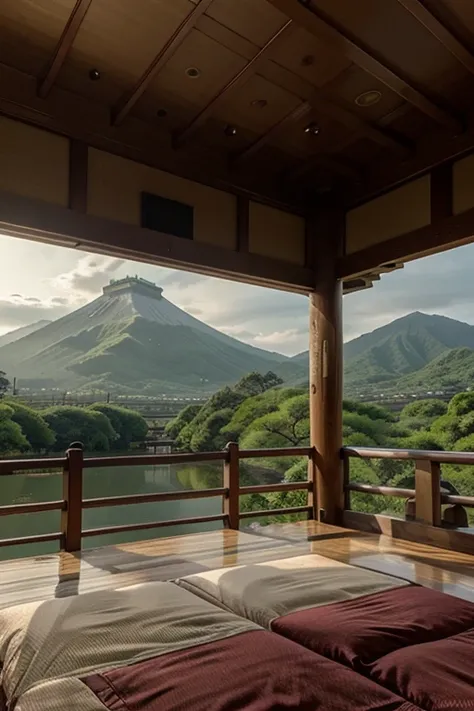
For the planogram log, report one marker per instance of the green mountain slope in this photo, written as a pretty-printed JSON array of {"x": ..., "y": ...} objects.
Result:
[
  {"x": 132, "y": 339},
  {"x": 407, "y": 345},
  {"x": 452, "y": 369}
]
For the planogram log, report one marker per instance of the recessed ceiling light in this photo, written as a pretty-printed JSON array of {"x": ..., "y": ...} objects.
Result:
[
  {"x": 94, "y": 74},
  {"x": 368, "y": 98},
  {"x": 312, "y": 128},
  {"x": 162, "y": 113},
  {"x": 259, "y": 103},
  {"x": 193, "y": 72},
  {"x": 230, "y": 130}
]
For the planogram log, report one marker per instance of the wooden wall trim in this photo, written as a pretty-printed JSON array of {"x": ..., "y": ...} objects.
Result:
[
  {"x": 445, "y": 231},
  {"x": 243, "y": 224},
  {"x": 78, "y": 166},
  {"x": 450, "y": 539},
  {"x": 41, "y": 221}
]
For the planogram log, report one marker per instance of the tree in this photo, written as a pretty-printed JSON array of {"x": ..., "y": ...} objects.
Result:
[
  {"x": 428, "y": 409},
  {"x": 461, "y": 404},
  {"x": 71, "y": 424},
  {"x": 207, "y": 436},
  {"x": 187, "y": 414},
  {"x": 254, "y": 407},
  {"x": 12, "y": 439},
  {"x": 4, "y": 383},
  {"x": 255, "y": 383},
  {"x": 35, "y": 428},
  {"x": 286, "y": 427},
  {"x": 129, "y": 425}
]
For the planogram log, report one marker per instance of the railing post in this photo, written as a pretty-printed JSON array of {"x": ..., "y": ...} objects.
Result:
[
  {"x": 71, "y": 517},
  {"x": 346, "y": 470},
  {"x": 427, "y": 492},
  {"x": 313, "y": 485},
  {"x": 231, "y": 505}
]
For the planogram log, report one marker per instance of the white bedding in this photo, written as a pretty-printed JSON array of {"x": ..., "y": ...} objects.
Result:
[{"x": 265, "y": 591}]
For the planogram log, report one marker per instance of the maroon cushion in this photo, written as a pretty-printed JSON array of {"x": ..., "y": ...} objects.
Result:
[
  {"x": 358, "y": 632},
  {"x": 439, "y": 676},
  {"x": 255, "y": 671}
]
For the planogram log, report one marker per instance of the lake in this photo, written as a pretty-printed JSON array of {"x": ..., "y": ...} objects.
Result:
[{"x": 110, "y": 481}]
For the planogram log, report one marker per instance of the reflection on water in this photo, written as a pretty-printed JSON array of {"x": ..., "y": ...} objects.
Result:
[{"x": 110, "y": 481}]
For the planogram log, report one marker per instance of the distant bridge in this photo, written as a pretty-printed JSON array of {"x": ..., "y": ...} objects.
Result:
[{"x": 398, "y": 403}]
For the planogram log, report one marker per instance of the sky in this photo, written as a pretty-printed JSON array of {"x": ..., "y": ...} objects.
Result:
[{"x": 39, "y": 281}]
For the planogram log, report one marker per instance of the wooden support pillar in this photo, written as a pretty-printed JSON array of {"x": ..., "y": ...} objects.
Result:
[{"x": 325, "y": 363}]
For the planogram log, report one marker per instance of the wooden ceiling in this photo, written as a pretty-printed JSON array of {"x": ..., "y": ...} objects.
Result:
[{"x": 292, "y": 100}]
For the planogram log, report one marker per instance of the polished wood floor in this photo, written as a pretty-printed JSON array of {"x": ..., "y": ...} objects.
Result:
[{"x": 64, "y": 574}]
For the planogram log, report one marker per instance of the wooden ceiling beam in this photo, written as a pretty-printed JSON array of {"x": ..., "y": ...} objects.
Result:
[
  {"x": 320, "y": 102},
  {"x": 249, "y": 69},
  {"x": 128, "y": 100},
  {"x": 306, "y": 14},
  {"x": 62, "y": 48},
  {"x": 442, "y": 34}
]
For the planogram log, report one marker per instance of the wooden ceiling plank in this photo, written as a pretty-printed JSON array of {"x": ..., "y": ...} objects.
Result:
[
  {"x": 315, "y": 21},
  {"x": 441, "y": 32},
  {"x": 249, "y": 69},
  {"x": 273, "y": 132},
  {"x": 310, "y": 96},
  {"x": 128, "y": 100},
  {"x": 62, "y": 48},
  {"x": 332, "y": 164}
]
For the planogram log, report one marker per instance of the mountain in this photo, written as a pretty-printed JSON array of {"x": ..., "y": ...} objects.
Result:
[
  {"x": 403, "y": 346},
  {"x": 133, "y": 339},
  {"x": 18, "y": 333},
  {"x": 409, "y": 345}
]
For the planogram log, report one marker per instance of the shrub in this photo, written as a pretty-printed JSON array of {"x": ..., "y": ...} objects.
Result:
[
  {"x": 71, "y": 424},
  {"x": 129, "y": 425},
  {"x": 35, "y": 428}
]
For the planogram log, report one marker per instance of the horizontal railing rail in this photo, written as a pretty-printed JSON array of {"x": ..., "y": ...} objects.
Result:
[
  {"x": 72, "y": 505},
  {"x": 426, "y": 499}
]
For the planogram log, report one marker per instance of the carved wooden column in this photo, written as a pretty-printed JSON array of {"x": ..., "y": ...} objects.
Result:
[{"x": 325, "y": 236}]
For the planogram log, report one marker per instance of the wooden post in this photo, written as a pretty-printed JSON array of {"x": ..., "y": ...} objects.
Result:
[
  {"x": 325, "y": 363},
  {"x": 231, "y": 507},
  {"x": 428, "y": 492},
  {"x": 313, "y": 490},
  {"x": 71, "y": 518}
]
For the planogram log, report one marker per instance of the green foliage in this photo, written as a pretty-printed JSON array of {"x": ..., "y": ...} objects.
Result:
[
  {"x": 447, "y": 429},
  {"x": 255, "y": 383},
  {"x": 207, "y": 435},
  {"x": 422, "y": 440},
  {"x": 12, "y": 439},
  {"x": 375, "y": 412},
  {"x": 254, "y": 407},
  {"x": 72, "y": 424},
  {"x": 187, "y": 414},
  {"x": 465, "y": 444},
  {"x": 461, "y": 404},
  {"x": 4, "y": 383},
  {"x": 129, "y": 425},
  {"x": 427, "y": 409},
  {"x": 36, "y": 430}
]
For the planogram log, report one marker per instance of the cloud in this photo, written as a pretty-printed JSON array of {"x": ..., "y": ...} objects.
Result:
[
  {"x": 87, "y": 278},
  {"x": 21, "y": 310}
]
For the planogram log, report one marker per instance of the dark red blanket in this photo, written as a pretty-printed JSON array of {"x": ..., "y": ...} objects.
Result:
[
  {"x": 417, "y": 642},
  {"x": 255, "y": 671}
]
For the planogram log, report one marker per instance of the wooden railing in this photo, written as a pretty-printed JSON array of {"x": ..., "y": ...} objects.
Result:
[
  {"x": 424, "y": 502},
  {"x": 71, "y": 506}
]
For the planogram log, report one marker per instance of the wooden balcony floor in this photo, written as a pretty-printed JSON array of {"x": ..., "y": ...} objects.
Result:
[{"x": 63, "y": 574}]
